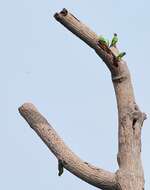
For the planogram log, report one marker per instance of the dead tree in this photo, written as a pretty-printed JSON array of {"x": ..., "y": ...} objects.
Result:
[{"x": 130, "y": 175}]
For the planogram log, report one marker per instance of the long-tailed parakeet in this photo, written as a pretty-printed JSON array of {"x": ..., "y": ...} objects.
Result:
[
  {"x": 114, "y": 40},
  {"x": 120, "y": 56},
  {"x": 103, "y": 40}
]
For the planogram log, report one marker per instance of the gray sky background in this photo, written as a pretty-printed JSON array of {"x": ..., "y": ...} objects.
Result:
[{"x": 41, "y": 62}]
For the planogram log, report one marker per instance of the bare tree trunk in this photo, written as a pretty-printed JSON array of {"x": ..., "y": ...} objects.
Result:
[{"x": 130, "y": 174}]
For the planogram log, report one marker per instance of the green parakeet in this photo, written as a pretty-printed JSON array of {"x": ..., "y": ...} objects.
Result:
[
  {"x": 114, "y": 40},
  {"x": 103, "y": 40},
  {"x": 120, "y": 56},
  {"x": 60, "y": 167},
  {"x": 107, "y": 41}
]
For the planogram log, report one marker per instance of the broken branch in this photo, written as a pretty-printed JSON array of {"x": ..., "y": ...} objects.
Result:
[{"x": 92, "y": 175}]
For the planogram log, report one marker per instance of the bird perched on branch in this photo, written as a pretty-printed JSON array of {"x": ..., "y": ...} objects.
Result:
[
  {"x": 114, "y": 41},
  {"x": 121, "y": 55},
  {"x": 103, "y": 40}
]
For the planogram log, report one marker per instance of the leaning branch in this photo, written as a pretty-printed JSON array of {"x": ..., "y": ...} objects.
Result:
[
  {"x": 130, "y": 120},
  {"x": 85, "y": 171},
  {"x": 127, "y": 108}
]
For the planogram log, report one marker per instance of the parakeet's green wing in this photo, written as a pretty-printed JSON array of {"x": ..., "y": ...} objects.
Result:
[
  {"x": 107, "y": 42},
  {"x": 114, "y": 41},
  {"x": 103, "y": 40},
  {"x": 120, "y": 56}
]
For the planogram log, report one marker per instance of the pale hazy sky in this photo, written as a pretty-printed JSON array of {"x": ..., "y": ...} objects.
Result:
[{"x": 43, "y": 63}]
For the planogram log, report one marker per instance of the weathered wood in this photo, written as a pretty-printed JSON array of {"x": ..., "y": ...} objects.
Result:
[
  {"x": 130, "y": 175},
  {"x": 85, "y": 171}
]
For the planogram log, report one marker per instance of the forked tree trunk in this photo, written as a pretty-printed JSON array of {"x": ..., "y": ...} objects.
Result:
[{"x": 130, "y": 174}]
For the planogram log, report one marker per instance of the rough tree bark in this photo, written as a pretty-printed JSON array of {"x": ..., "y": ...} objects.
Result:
[{"x": 130, "y": 174}]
